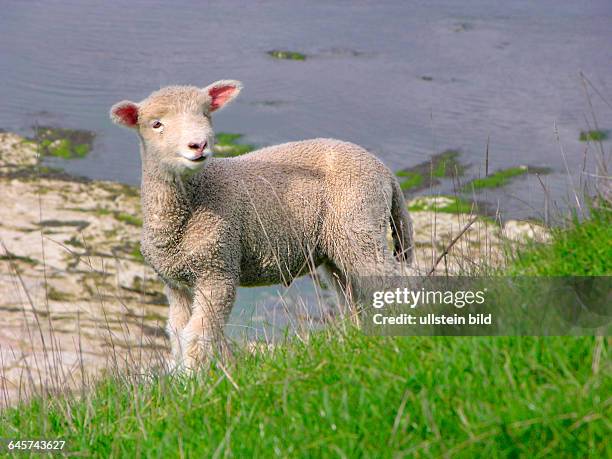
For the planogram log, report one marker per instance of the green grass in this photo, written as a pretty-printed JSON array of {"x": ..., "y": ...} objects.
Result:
[
  {"x": 287, "y": 55},
  {"x": 347, "y": 394},
  {"x": 584, "y": 248},
  {"x": 350, "y": 395},
  {"x": 497, "y": 179},
  {"x": 227, "y": 145},
  {"x": 593, "y": 135}
]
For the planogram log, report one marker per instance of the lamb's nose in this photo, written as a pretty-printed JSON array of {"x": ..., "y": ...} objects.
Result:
[{"x": 199, "y": 147}]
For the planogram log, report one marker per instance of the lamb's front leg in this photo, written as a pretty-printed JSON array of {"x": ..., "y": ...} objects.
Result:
[
  {"x": 180, "y": 300},
  {"x": 203, "y": 335}
]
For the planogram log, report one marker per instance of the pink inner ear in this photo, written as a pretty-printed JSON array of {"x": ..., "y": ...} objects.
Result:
[
  {"x": 220, "y": 96},
  {"x": 128, "y": 114}
]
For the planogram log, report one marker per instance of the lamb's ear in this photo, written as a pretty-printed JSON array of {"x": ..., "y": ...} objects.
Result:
[
  {"x": 222, "y": 92},
  {"x": 125, "y": 113}
]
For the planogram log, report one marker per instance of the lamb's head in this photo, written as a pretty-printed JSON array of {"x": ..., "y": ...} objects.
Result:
[{"x": 174, "y": 123}]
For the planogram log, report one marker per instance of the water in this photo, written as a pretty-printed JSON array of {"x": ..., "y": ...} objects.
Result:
[{"x": 507, "y": 71}]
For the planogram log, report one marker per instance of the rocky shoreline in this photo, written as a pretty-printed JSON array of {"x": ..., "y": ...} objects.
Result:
[
  {"x": 76, "y": 296},
  {"x": 74, "y": 291}
]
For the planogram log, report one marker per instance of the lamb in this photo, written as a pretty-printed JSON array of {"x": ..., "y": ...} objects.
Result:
[{"x": 211, "y": 224}]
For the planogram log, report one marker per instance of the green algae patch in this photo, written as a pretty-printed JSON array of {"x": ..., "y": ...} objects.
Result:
[
  {"x": 54, "y": 223},
  {"x": 410, "y": 180},
  {"x": 119, "y": 189},
  {"x": 9, "y": 256},
  {"x": 123, "y": 217},
  {"x": 503, "y": 177},
  {"x": 443, "y": 204},
  {"x": 136, "y": 253},
  {"x": 63, "y": 143},
  {"x": 128, "y": 218},
  {"x": 595, "y": 135},
  {"x": 499, "y": 178},
  {"x": 287, "y": 55},
  {"x": 228, "y": 144},
  {"x": 440, "y": 166},
  {"x": 54, "y": 294},
  {"x": 75, "y": 242},
  {"x": 447, "y": 164}
]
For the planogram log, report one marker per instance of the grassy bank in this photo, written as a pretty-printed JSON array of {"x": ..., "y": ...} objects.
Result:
[
  {"x": 344, "y": 394},
  {"x": 351, "y": 395},
  {"x": 583, "y": 248}
]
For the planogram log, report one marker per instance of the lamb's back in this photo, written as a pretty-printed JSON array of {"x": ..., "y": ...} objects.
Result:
[
  {"x": 293, "y": 174},
  {"x": 278, "y": 199},
  {"x": 275, "y": 198},
  {"x": 320, "y": 157}
]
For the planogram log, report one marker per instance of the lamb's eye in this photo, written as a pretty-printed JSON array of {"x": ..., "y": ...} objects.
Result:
[{"x": 156, "y": 124}]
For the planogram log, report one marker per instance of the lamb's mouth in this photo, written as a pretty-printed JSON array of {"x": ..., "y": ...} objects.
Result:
[{"x": 197, "y": 159}]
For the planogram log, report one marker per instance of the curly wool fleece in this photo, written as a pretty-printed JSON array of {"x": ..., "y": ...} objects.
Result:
[{"x": 262, "y": 218}]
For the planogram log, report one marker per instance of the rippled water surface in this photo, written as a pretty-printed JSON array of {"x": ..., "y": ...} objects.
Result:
[{"x": 404, "y": 79}]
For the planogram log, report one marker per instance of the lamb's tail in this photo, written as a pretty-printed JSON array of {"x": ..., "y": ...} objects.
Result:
[{"x": 401, "y": 226}]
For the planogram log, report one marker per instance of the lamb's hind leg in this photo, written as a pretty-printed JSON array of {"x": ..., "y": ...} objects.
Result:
[
  {"x": 180, "y": 300},
  {"x": 360, "y": 251},
  {"x": 203, "y": 336},
  {"x": 365, "y": 277},
  {"x": 336, "y": 279}
]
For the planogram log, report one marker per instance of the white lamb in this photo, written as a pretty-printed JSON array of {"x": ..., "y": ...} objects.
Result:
[{"x": 211, "y": 224}]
